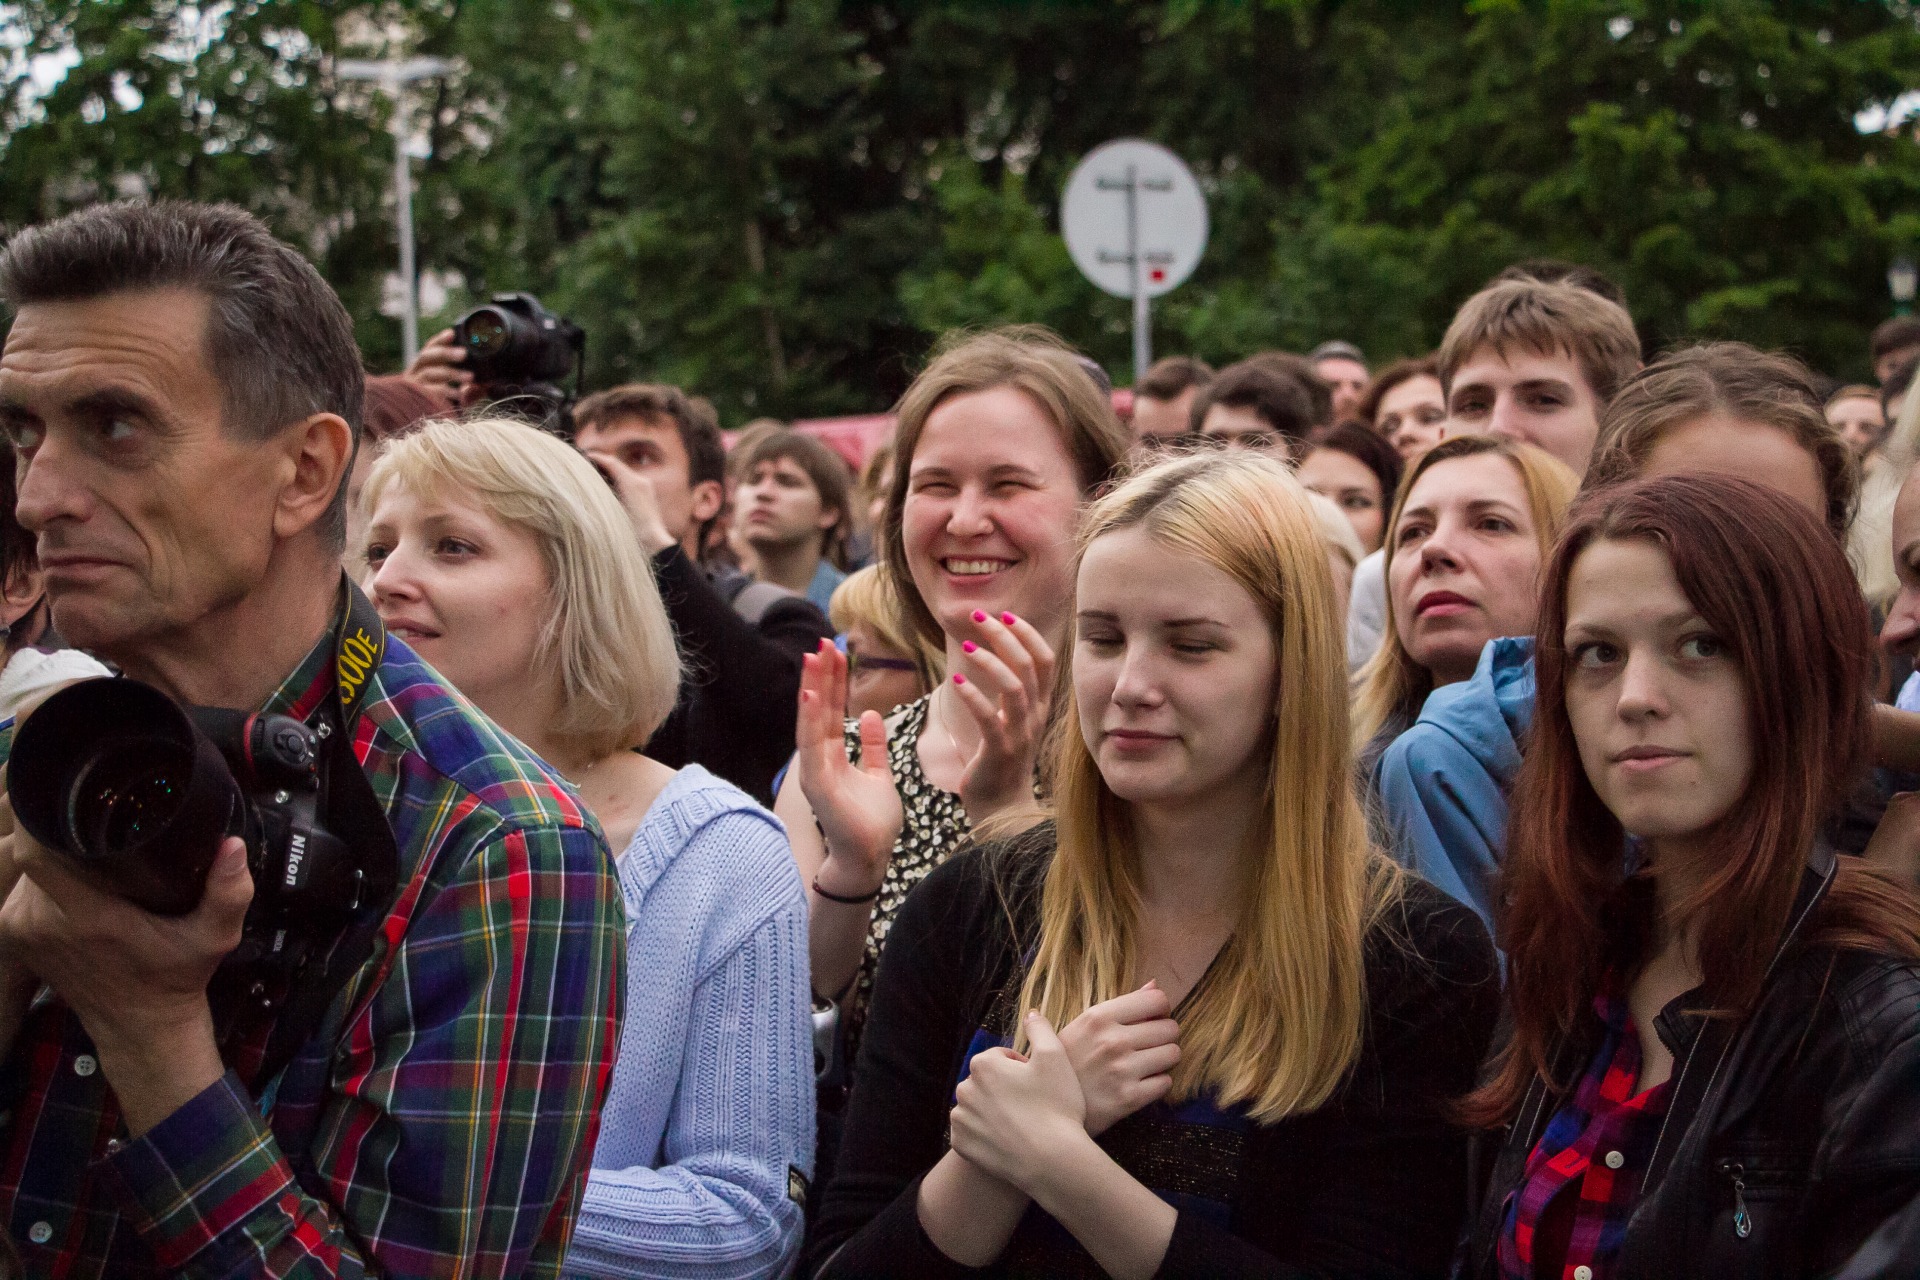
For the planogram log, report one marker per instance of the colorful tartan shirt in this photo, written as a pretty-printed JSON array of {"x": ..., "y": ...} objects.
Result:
[
  {"x": 1595, "y": 1149},
  {"x": 440, "y": 1120}
]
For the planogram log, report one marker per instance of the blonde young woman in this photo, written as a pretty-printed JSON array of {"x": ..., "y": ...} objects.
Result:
[
  {"x": 887, "y": 665},
  {"x": 1196, "y": 1026},
  {"x": 497, "y": 553}
]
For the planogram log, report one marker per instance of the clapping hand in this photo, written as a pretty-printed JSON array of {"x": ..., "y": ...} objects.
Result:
[
  {"x": 857, "y": 806},
  {"x": 1123, "y": 1051},
  {"x": 1005, "y": 683}
]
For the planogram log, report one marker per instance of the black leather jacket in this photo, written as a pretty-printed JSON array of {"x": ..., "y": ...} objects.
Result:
[{"x": 1791, "y": 1135}]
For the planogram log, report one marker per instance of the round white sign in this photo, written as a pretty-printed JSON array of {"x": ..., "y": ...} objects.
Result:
[{"x": 1132, "y": 194}]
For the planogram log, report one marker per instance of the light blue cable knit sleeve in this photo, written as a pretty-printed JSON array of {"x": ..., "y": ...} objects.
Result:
[{"x": 712, "y": 1097}]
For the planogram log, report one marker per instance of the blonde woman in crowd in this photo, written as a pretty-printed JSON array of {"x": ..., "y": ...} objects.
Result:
[
  {"x": 1859, "y": 414},
  {"x": 498, "y": 554},
  {"x": 1196, "y": 1025},
  {"x": 887, "y": 666},
  {"x": 999, "y": 442}
]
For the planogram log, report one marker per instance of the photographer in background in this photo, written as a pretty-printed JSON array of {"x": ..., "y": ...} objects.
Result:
[
  {"x": 440, "y": 367},
  {"x": 509, "y": 352},
  {"x": 183, "y": 394},
  {"x": 742, "y": 641}
]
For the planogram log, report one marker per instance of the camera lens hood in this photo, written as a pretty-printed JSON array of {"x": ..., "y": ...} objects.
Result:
[{"x": 115, "y": 778}]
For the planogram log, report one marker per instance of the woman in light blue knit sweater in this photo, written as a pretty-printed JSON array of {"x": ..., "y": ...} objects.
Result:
[{"x": 497, "y": 552}]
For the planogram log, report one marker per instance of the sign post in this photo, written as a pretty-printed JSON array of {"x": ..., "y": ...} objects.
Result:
[
  {"x": 1143, "y": 244},
  {"x": 394, "y": 76}
]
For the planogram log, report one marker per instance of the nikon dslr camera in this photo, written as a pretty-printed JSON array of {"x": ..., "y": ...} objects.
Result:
[
  {"x": 518, "y": 351},
  {"x": 135, "y": 793}
]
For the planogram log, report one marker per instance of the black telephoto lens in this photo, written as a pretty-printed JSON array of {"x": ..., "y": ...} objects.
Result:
[
  {"x": 116, "y": 780},
  {"x": 512, "y": 342},
  {"x": 127, "y": 792},
  {"x": 488, "y": 332}
]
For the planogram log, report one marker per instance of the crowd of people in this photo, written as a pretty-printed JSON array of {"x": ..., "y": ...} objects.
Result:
[{"x": 1454, "y": 819}]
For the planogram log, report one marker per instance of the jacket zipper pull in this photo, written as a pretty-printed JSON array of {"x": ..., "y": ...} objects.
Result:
[{"x": 1742, "y": 1221}]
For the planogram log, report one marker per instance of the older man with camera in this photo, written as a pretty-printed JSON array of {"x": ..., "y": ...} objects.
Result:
[{"x": 375, "y": 1039}]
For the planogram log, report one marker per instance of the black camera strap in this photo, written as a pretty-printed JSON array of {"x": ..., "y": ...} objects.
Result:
[{"x": 353, "y": 812}]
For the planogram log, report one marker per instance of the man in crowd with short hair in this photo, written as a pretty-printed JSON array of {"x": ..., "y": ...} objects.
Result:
[
  {"x": 1893, "y": 344},
  {"x": 1163, "y": 403},
  {"x": 1537, "y": 361},
  {"x": 793, "y": 509},
  {"x": 1530, "y": 359},
  {"x": 183, "y": 396},
  {"x": 739, "y": 698},
  {"x": 1343, "y": 367},
  {"x": 1256, "y": 404},
  {"x": 1561, "y": 271}
]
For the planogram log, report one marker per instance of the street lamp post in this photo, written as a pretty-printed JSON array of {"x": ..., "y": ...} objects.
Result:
[
  {"x": 394, "y": 76},
  {"x": 1902, "y": 278}
]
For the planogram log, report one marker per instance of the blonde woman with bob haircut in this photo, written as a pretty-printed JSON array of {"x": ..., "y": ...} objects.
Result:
[
  {"x": 499, "y": 554},
  {"x": 1261, "y": 1021}
]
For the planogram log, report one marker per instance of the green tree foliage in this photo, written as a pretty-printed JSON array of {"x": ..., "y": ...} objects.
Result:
[
  {"x": 201, "y": 102},
  {"x": 1703, "y": 154},
  {"x": 780, "y": 203}
]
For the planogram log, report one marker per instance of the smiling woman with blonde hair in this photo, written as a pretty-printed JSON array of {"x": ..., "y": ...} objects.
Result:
[
  {"x": 1260, "y": 1019},
  {"x": 501, "y": 556}
]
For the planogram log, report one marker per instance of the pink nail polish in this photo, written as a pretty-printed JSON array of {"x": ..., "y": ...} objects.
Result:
[
  {"x": 979, "y": 616},
  {"x": 958, "y": 678},
  {"x": 968, "y": 646},
  {"x": 1008, "y": 618}
]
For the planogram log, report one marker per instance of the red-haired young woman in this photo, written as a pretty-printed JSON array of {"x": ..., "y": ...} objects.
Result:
[{"x": 1716, "y": 1021}]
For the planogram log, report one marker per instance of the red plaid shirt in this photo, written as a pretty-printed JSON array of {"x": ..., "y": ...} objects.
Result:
[{"x": 1583, "y": 1177}]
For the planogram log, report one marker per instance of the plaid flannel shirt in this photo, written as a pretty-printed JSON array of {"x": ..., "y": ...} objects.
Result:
[
  {"x": 1595, "y": 1149},
  {"x": 441, "y": 1119}
]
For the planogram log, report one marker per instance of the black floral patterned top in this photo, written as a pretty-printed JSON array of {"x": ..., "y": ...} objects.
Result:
[{"x": 936, "y": 824}]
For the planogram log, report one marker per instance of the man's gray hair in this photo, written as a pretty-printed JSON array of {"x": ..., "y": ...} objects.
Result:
[{"x": 277, "y": 337}]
